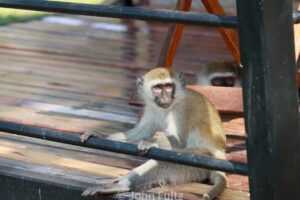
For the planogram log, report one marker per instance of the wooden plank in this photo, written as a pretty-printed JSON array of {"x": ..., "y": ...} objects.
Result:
[
  {"x": 33, "y": 156},
  {"x": 57, "y": 122},
  {"x": 100, "y": 90},
  {"x": 96, "y": 54},
  {"x": 172, "y": 40},
  {"x": 17, "y": 95},
  {"x": 78, "y": 167},
  {"x": 70, "y": 151},
  {"x": 80, "y": 112},
  {"x": 226, "y": 99},
  {"x": 229, "y": 35}
]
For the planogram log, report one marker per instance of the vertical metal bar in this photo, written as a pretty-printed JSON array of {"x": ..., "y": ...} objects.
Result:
[{"x": 270, "y": 98}]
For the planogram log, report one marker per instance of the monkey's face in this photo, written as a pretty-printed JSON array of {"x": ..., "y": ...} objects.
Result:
[{"x": 163, "y": 94}]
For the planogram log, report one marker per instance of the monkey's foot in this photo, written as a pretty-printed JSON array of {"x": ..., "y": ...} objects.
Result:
[
  {"x": 110, "y": 188},
  {"x": 144, "y": 146},
  {"x": 84, "y": 137}
]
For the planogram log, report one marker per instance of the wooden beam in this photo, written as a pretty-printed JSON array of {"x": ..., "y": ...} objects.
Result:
[
  {"x": 226, "y": 99},
  {"x": 229, "y": 35},
  {"x": 270, "y": 98},
  {"x": 172, "y": 40}
]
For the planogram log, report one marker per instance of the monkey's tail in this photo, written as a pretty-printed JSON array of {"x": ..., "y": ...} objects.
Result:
[{"x": 218, "y": 179}]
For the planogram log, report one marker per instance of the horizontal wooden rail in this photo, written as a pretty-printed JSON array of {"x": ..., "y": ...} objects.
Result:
[{"x": 226, "y": 99}]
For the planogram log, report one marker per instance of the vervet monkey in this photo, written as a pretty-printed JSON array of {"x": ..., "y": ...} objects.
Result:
[
  {"x": 224, "y": 74},
  {"x": 190, "y": 123}
]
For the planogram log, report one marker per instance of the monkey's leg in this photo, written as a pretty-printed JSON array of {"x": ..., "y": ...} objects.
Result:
[
  {"x": 154, "y": 173},
  {"x": 218, "y": 179},
  {"x": 128, "y": 182},
  {"x": 110, "y": 187}
]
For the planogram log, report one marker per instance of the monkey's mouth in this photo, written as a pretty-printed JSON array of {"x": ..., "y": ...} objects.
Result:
[{"x": 164, "y": 105}]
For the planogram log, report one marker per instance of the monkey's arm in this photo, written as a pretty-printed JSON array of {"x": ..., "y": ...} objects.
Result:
[{"x": 144, "y": 129}]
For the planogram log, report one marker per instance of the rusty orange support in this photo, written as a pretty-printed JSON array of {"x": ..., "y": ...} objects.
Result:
[
  {"x": 172, "y": 40},
  {"x": 230, "y": 36}
]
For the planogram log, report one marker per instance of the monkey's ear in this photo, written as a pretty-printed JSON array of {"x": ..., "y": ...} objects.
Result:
[
  {"x": 140, "y": 82},
  {"x": 182, "y": 79}
]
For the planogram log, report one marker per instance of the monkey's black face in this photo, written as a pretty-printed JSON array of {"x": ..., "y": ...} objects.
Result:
[
  {"x": 223, "y": 81},
  {"x": 163, "y": 94}
]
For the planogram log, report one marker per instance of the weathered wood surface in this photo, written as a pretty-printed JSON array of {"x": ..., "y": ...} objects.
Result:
[
  {"x": 77, "y": 78},
  {"x": 78, "y": 167}
]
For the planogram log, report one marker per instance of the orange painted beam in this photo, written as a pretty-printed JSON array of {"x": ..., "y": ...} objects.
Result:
[
  {"x": 230, "y": 36},
  {"x": 172, "y": 40}
]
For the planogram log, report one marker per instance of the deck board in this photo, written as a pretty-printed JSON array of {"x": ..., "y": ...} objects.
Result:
[
  {"x": 77, "y": 78},
  {"x": 80, "y": 167}
]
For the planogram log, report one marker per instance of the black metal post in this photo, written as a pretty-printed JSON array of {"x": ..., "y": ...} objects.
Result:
[
  {"x": 270, "y": 98},
  {"x": 126, "y": 148}
]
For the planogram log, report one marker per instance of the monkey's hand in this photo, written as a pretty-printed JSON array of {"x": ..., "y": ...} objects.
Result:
[
  {"x": 115, "y": 186},
  {"x": 206, "y": 197},
  {"x": 144, "y": 146},
  {"x": 84, "y": 137}
]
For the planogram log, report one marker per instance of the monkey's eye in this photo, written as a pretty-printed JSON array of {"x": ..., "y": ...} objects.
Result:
[
  {"x": 217, "y": 81},
  {"x": 157, "y": 88},
  {"x": 169, "y": 85},
  {"x": 230, "y": 81}
]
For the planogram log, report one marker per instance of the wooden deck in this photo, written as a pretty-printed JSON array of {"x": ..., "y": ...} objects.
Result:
[{"x": 81, "y": 77}]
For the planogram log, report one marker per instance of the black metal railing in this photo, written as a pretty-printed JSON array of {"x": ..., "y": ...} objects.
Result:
[
  {"x": 122, "y": 12},
  {"x": 127, "y": 12},
  {"x": 125, "y": 148}
]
